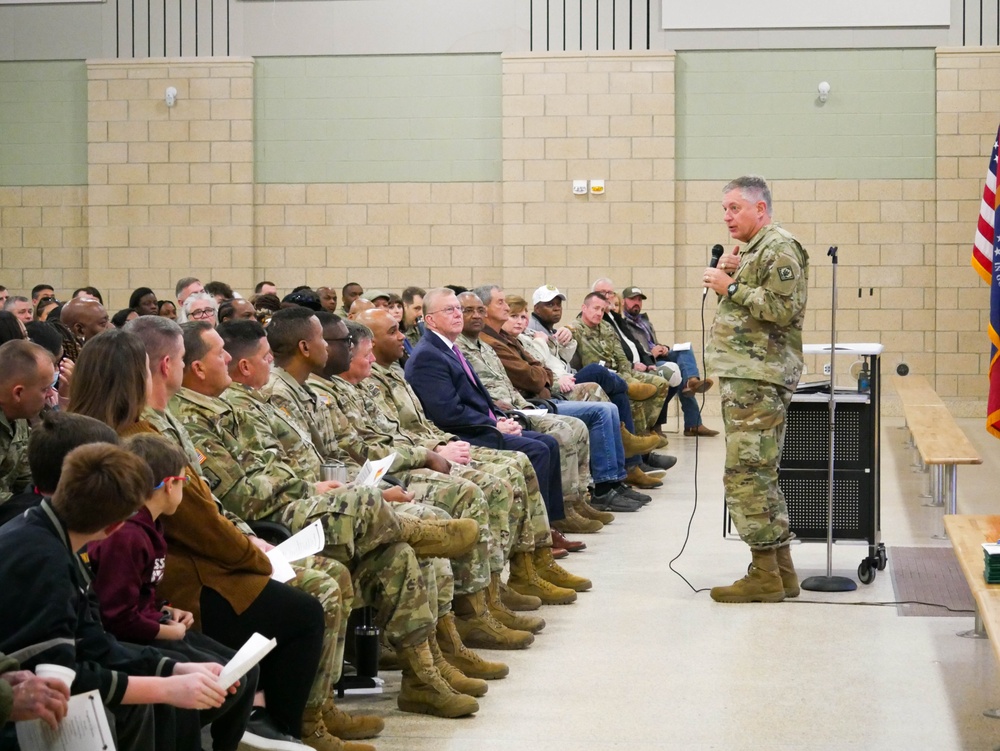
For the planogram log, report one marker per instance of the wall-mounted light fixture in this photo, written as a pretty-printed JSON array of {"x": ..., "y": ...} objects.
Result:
[
  {"x": 824, "y": 91},
  {"x": 171, "y": 96}
]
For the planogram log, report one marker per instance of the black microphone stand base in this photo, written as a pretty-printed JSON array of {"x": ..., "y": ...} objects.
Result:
[{"x": 828, "y": 584}]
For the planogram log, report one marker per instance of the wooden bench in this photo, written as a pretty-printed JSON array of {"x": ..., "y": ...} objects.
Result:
[
  {"x": 967, "y": 535},
  {"x": 936, "y": 436}
]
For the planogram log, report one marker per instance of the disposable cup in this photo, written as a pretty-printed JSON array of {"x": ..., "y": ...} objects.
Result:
[{"x": 63, "y": 673}]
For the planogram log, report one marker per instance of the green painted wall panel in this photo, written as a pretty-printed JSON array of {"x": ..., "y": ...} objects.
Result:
[
  {"x": 399, "y": 118},
  {"x": 758, "y": 111},
  {"x": 43, "y": 123}
]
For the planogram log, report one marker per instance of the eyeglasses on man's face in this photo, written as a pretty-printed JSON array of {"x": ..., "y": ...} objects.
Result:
[{"x": 201, "y": 314}]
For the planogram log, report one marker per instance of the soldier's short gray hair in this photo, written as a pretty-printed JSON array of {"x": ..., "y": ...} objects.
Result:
[
  {"x": 752, "y": 188},
  {"x": 485, "y": 292}
]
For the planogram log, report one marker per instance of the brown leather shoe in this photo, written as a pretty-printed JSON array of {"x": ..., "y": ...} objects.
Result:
[
  {"x": 559, "y": 540},
  {"x": 702, "y": 431},
  {"x": 558, "y": 552},
  {"x": 697, "y": 385},
  {"x": 639, "y": 479}
]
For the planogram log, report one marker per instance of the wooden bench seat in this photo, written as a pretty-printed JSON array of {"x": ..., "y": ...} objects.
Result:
[{"x": 967, "y": 535}]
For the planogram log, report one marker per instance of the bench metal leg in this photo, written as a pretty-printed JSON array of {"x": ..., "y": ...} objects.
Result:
[
  {"x": 929, "y": 494},
  {"x": 978, "y": 630},
  {"x": 947, "y": 492}
]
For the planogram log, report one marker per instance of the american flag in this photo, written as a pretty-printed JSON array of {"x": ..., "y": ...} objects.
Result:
[{"x": 986, "y": 262}]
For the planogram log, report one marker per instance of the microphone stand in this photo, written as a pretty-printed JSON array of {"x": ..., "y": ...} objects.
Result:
[{"x": 831, "y": 583}]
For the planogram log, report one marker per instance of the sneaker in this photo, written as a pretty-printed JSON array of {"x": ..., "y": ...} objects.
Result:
[
  {"x": 652, "y": 471},
  {"x": 614, "y": 501},
  {"x": 634, "y": 494},
  {"x": 661, "y": 461},
  {"x": 262, "y": 733}
]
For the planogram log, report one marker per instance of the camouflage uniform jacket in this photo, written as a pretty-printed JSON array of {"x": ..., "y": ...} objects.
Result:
[
  {"x": 273, "y": 427},
  {"x": 757, "y": 333},
  {"x": 356, "y": 434},
  {"x": 168, "y": 426},
  {"x": 405, "y": 406},
  {"x": 249, "y": 477},
  {"x": 15, "y": 475},
  {"x": 301, "y": 405},
  {"x": 486, "y": 363},
  {"x": 601, "y": 343}
]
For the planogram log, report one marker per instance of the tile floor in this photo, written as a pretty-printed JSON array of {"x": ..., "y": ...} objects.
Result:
[{"x": 642, "y": 662}]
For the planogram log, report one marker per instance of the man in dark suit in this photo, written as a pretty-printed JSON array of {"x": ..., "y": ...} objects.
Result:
[{"x": 454, "y": 398}]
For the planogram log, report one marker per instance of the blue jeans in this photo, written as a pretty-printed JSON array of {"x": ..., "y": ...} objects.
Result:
[
  {"x": 689, "y": 369},
  {"x": 617, "y": 390},
  {"x": 607, "y": 455}
]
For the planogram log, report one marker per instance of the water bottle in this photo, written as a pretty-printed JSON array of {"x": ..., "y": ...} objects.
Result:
[{"x": 864, "y": 379}]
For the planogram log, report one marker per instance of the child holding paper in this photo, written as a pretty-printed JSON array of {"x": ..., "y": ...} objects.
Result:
[
  {"x": 50, "y": 615},
  {"x": 129, "y": 564}
]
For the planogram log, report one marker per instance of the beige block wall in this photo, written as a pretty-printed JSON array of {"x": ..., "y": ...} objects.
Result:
[
  {"x": 381, "y": 235},
  {"x": 598, "y": 116},
  {"x": 170, "y": 188}
]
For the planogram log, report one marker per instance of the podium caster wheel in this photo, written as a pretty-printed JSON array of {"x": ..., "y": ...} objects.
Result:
[{"x": 866, "y": 572}]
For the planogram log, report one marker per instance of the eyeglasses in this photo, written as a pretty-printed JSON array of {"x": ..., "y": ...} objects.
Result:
[
  {"x": 349, "y": 339},
  {"x": 172, "y": 478},
  {"x": 448, "y": 309},
  {"x": 202, "y": 313}
]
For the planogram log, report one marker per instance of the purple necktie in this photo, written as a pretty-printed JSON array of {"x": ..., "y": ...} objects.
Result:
[{"x": 468, "y": 372}]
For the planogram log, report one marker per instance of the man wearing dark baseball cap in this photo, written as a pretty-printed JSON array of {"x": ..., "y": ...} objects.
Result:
[{"x": 643, "y": 333}]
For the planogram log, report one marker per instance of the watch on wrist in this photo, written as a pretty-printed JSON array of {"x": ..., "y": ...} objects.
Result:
[{"x": 732, "y": 288}]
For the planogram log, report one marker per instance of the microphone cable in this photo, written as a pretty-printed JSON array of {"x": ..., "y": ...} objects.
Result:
[{"x": 697, "y": 439}]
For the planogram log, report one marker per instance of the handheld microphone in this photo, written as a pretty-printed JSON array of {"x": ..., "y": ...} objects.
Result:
[{"x": 717, "y": 251}]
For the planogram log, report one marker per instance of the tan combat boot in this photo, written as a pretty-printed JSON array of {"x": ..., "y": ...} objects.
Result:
[
  {"x": 640, "y": 392},
  {"x": 516, "y": 601},
  {"x": 463, "y": 658},
  {"x": 576, "y": 524},
  {"x": 531, "y": 623},
  {"x": 761, "y": 584},
  {"x": 316, "y": 736},
  {"x": 639, "y": 479},
  {"x": 662, "y": 440},
  {"x": 387, "y": 657},
  {"x": 553, "y": 573},
  {"x": 525, "y": 579},
  {"x": 584, "y": 509},
  {"x": 425, "y": 691},
  {"x": 637, "y": 445},
  {"x": 439, "y": 538},
  {"x": 348, "y": 726},
  {"x": 455, "y": 677},
  {"x": 789, "y": 579},
  {"x": 479, "y": 628}
]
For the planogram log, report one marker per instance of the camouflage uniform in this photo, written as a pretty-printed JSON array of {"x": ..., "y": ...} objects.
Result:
[
  {"x": 601, "y": 343},
  {"x": 460, "y": 498},
  {"x": 387, "y": 575},
  {"x": 756, "y": 350},
  {"x": 15, "y": 475},
  {"x": 570, "y": 432},
  {"x": 528, "y": 521},
  {"x": 325, "y": 579}
]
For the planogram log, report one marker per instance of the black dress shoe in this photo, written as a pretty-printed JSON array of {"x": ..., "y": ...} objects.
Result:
[
  {"x": 634, "y": 494},
  {"x": 263, "y": 733},
  {"x": 661, "y": 461},
  {"x": 614, "y": 500}
]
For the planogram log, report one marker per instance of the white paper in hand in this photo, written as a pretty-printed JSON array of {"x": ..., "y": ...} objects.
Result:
[
  {"x": 255, "y": 650},
  {"x": 681, "y": 346},
  {"x": 303, "y": 544},
  {"x": 372, "y": 472},
  {"x": 84, "y": 728}
]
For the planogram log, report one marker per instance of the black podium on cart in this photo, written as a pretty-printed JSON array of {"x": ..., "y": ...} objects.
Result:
[{"x": 804, "y": 476}]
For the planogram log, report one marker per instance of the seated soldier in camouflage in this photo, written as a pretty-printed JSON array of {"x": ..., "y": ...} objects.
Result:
[
  {"x": 362, "y": 530},
  {"x": 250, "y": 367},
  {"x": 598, "y": 343},
  {"x": 398, "y": 405},
  {"x": 425, "y": 473}
]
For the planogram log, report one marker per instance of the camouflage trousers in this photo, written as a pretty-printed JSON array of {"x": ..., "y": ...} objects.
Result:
[
  {"x": 329, "y": 582},
  {"x": 753, "y": 413},
  {"x": 574, "y": 451},
  {"x": 528, "y": 520},
  {"x": 587, "y": 392},
  {"x": 355, "y": 520},
  {"x": 390, "y": 579},
  {"x": 646, "y": 414},
  {"x": 437, "y": 572},
  {"x": 462, "y": 500}
]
